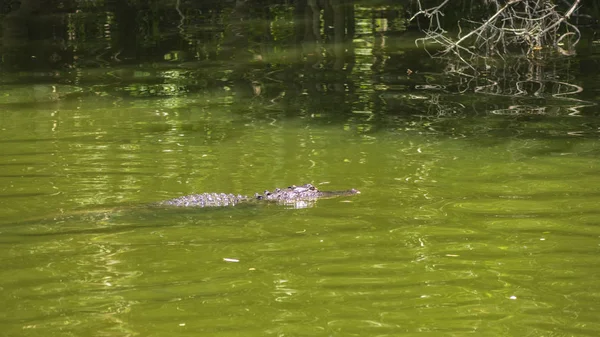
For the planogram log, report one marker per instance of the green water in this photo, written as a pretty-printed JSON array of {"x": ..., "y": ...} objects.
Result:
[
  {"x": 452, "y": 235},
  {"x": 478, "y": 213}
]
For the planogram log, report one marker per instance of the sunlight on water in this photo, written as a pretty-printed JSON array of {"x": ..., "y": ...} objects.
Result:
[
  {"x": 448, "y": 235},
  {"x": 467, "y": 223}
]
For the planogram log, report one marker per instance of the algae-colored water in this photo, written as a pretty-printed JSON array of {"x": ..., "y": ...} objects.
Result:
[
  {"x": 478, "y": 214},
  {"x": 450, "y": 235}
]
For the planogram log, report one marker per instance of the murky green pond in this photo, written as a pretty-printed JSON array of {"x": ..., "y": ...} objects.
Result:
[
  {"x": 450, "y": 235},
  {"x": 478, "y": 213}
]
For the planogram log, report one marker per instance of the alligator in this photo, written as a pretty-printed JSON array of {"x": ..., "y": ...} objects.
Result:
[
  {"x": 293, "y": 197},
  {"x": 297, "y": 196}
]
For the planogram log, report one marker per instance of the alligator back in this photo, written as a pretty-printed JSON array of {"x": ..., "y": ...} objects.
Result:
[{"x": 206, "y": 200}]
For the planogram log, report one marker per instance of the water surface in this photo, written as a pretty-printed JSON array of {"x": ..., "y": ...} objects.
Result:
[
  {"x": 478, "y": 213},
  {"x": 450, "y": 235}
]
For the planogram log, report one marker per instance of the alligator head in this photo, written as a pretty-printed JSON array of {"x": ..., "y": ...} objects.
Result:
[{"x": 301, "y": 196}]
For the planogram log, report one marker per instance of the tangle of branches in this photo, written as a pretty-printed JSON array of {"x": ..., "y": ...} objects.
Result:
[{"x": 530, "y": 28}]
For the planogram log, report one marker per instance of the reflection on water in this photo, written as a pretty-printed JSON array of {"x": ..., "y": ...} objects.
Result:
[
  {"x": 477, "y": 213},
  {"x": 447, "y": 236}
]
